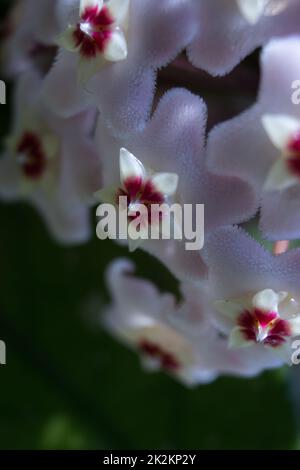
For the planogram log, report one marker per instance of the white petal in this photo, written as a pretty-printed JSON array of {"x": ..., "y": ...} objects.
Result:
[
  {"x": 228, "y": 308},
  {"x": 252, "y": 10},
  {"x": 237, "y": 339},
  {"x": 130, "y": 166},
  {"x": 266, "y": 300},
  {"x": 118, "y": 9},
  {"x": 67, "y": 39},
  {"x": 84, "y": 4},
  {"x": 116, "y": 49},
  {"x": 280, "y": 128},
  {"x": 166, "y": 183},
  {"x": 295, "y": 326},
  {"x": 280, "y": 177}
]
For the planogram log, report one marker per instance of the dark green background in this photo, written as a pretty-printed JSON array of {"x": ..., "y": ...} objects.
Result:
[{"x": 68, "y": 385}]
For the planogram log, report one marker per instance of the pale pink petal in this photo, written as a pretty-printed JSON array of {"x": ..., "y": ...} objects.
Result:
[
  {"x": 62, "y": 90},
  {"x": 225, "y": 37}
]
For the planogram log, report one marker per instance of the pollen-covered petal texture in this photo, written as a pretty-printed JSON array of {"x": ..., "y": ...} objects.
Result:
[
  {"x": 260, "y": 324},
  {"x": 110, "y": 56},
  {"x": 257, "y": 293},
  {"x": 261, "y": 145},
  {"x": 228, "y": 31},
  {"x": 177, "y": 338},
  {"x": 172, "y": 150},
  {"x": 97, "y": 32},
  {"x": 140, "y": 189},
  {"x": 51, "y": 163}
]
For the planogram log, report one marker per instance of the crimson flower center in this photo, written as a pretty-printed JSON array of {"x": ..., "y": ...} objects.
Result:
[
  {"x": 93, "y": 31},
  {"x": 139, "y": 191},
  {"x": 167, "y": 360},
  {"x": 264, "y": 327},
  {"x": 293, "y": 160},
  {"x": 33, "y": 160}
]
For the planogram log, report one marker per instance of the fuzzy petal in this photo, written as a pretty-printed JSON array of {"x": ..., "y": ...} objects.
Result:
[
  {"x": 62, "y": 90},
  {"x": 231, "y": 150},
  {"x": 240, "y": 266},
  {"x": 243, "y": 148},
  {"x": 225, "y": 38},
  {"x": 252, "y": 9},
  {"x": 280, "y": 214},
  {"x": 68, "y": 225},
  {"x": 133, "y": 293},
  {"x": 173, "y": 142},
  {"x": 64, "y": 195},
  {"x": 173, "y": 19},
  {"x": 86, "y": 166},
  {"x": 43, "y": 20}
]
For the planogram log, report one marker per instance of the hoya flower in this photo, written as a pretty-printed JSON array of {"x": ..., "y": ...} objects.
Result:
[
  {"x": 230, "y": 30},
  {"x": 258, "y": 320},
  {"x": 50, "y": 163},
  {"x": 284, "y": 133},
  {"x": 262, "y": 144},
  {"x": 30, "y": 32},
  {"x": 255, "y": 293},
  {"x": 166, "y": 163},
  {"x": 99, "y": 34},
  {"x": 145, "y": 320},
  {"x": 143, "y": 191},
  {"x": 178, "y": 339},
  {"x": 114, "y": 47}
]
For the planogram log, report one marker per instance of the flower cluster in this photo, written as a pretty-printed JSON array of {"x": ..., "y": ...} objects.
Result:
[{"x": 88, "y": 128}]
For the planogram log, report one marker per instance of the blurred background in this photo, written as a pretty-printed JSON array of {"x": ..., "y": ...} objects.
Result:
[{"x": 68, "y": 385}]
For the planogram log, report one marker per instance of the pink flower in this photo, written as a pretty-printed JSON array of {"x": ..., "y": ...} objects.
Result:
[
  {"x": 51, "y": 163},
  {"x": 172, "y": 149},
  {"x": 123, "y": 60},
  {"x": 30, "y": 41},
  {"x": 98, "y": 36},
  {"x": 228, "y": 31},
  {"x": 179, "y": 339},
  {"x": 261, "y": 145},
  {"x": 255, "y": 293}
]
